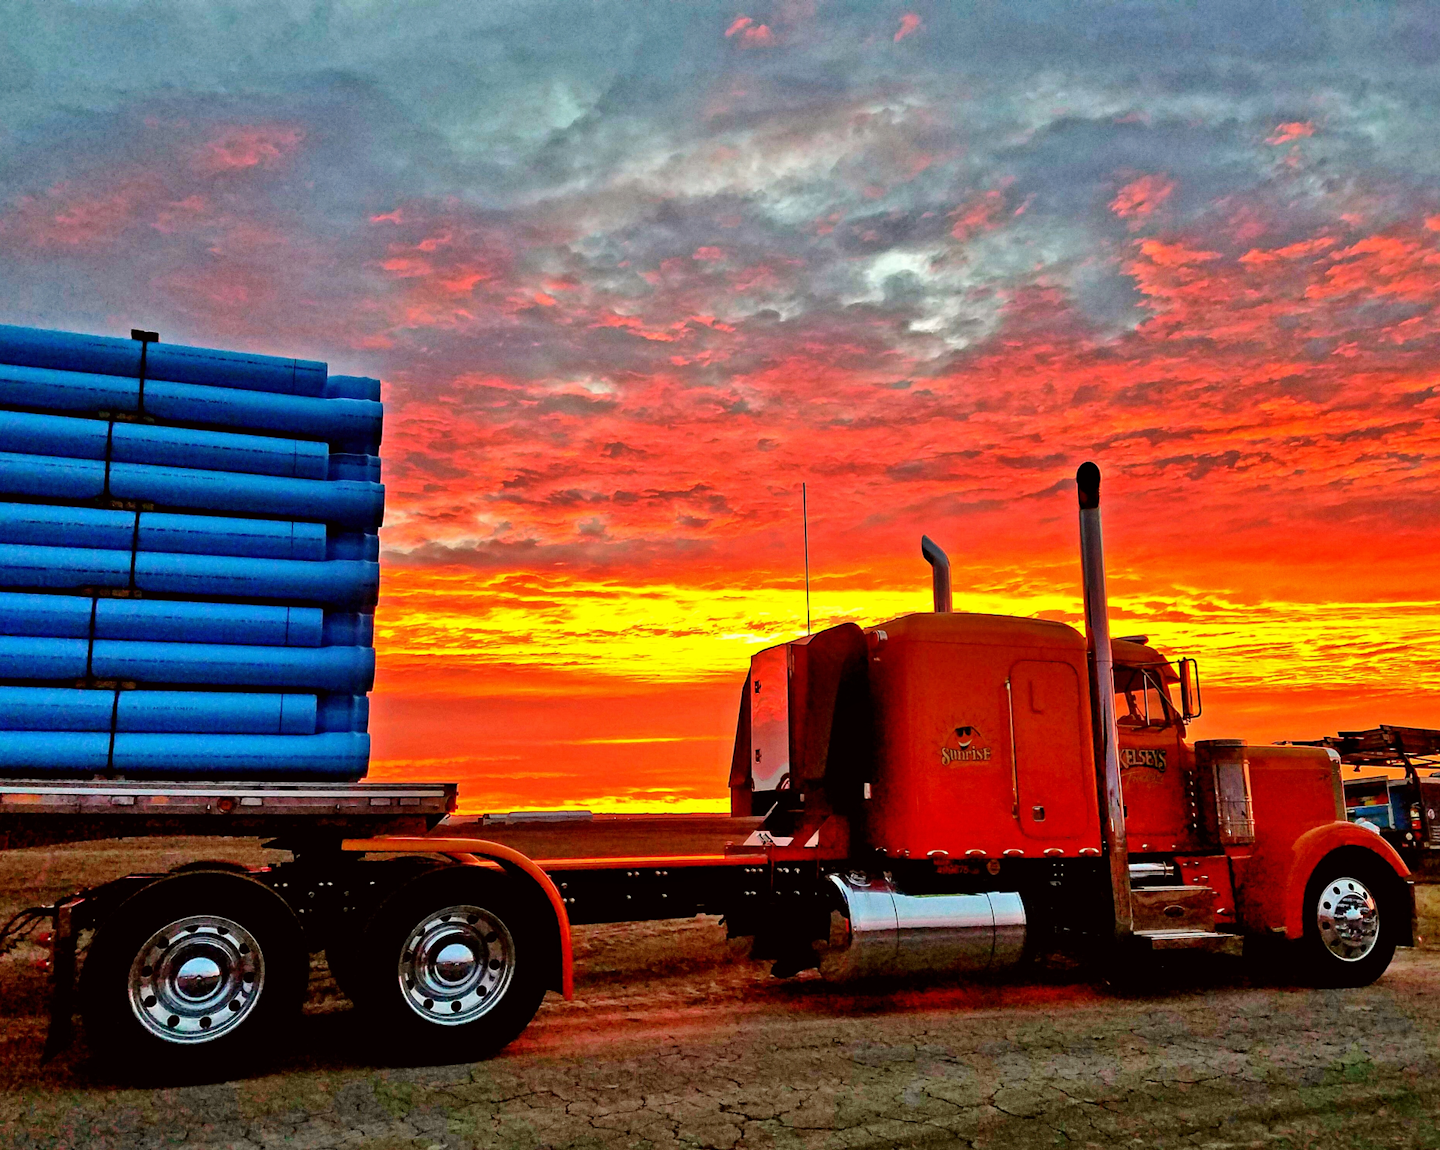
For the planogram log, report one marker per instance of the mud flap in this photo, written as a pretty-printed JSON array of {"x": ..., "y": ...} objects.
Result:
[{"x": 63, "y": 940}]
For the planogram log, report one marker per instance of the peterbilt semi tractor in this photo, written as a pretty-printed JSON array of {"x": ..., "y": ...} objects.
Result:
[{"x": 942, "y": 793}]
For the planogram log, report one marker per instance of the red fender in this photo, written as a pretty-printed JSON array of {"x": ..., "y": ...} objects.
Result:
[
  {"x": 1313, "y": 846},
  {"x": 507, "y": 857}
]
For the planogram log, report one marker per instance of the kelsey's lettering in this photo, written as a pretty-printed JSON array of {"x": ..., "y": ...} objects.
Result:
[{"x": 1152, "y": 757}]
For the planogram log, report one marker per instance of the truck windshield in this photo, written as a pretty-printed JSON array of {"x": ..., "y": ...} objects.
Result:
[{"x": 1141, "y": 698}]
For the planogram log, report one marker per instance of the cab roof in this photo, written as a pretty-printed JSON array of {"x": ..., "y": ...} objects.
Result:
[
  {"x": 986, "y": 630},
  {"x": 1127, "y": 653}
]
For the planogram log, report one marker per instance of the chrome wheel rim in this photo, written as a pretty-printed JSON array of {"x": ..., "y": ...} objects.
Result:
[
  {"x": 1348, "y": 918},
  {"x": 456, "y": 965},
  {"x": 197, "y": 979}
]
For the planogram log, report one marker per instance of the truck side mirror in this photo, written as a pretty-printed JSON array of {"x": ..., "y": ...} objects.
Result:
[{"x": 1190, "y": 702}]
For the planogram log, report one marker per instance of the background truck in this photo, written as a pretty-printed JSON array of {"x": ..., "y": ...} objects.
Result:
[
  {"x": 1391, "y": 778},
  {"x": 944, "y": 792}
]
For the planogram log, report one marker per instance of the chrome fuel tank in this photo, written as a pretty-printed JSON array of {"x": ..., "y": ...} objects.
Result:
[{"x": 878, "y": 930}]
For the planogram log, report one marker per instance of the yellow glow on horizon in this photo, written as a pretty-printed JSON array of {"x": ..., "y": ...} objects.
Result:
[{"x": 654, "y": 633}]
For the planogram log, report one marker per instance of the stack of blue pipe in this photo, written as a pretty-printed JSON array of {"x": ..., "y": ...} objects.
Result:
[{"x": 189, "y": 561}]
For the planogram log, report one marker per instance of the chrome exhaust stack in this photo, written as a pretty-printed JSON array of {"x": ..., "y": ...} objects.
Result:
[
  {"x": 941, "y": 574},
  {"x": 876, "y": 930},
  {"x": 1107, "y": 734}
]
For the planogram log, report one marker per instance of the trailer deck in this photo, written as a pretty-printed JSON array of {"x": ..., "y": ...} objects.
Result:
[{"x": 45, "y": 812}]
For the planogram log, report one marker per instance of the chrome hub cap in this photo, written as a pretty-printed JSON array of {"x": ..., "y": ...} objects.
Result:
[
  {"x": 456, "y": 964},
  {"x": 1348, "y": 918},
  {"x": 196, "y": 979}
]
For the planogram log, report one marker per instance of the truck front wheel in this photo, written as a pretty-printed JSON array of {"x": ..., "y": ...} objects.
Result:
[
  {"x": 453, "y": 964},
  {"x": 193, "y": 975},
  {"x": 1352, "y": 921}
]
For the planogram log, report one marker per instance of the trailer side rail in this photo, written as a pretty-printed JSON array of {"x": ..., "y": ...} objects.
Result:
[{"x": 46, "y": 812}]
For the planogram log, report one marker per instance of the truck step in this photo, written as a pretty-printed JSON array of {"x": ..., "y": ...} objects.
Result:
[
  {"x": 1158, "y": 940},
  {"x": 1173, "y": 908}
]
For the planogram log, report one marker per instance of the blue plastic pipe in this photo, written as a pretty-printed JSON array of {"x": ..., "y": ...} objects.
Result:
[
  {"x": 347, "y": 629},
  {"x": 157, "y": 531},
  {"x": 108, "y": 355},
  {"x": 359, "y": 506},
  {"x": 342, "y": 583},
  {"x": 352, "y": 387},
  {"x": 206, "y": 712},
  {"x": 353, "y": 545},
  {"x": 67, "y": 436},
  {"x": 68, "y": 616},
  {"x": 348, "y": 425},
  {"x": 39, "y": 754},
  {"x": 344, "y": 670},
  {"x": 354, "y": 466},
  {"x": 343, "y": 713}
]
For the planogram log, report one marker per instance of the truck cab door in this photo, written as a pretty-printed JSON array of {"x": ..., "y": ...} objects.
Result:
[{"x": 1153, "y": 767}]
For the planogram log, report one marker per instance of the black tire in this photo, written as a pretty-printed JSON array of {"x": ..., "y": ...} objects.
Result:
[
  {"x": 493, "y": 944},
  {"x": 1357, "y": 892},
  {"x": 256, "y": 977},
  {"x": 344, "y": 949}
]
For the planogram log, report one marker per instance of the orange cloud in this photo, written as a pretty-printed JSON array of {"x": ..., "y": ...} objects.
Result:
[
  {"x": 908, "y": 23},
  {"x": 1293, "y": 130}
]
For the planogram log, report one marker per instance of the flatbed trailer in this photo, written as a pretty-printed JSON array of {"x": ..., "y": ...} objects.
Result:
[
  {"x": 354, "y": 847},
  {"x": 942, "y": 793}
]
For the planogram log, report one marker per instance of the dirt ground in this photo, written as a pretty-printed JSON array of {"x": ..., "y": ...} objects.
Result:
[{"x": 676, "y": 1039}]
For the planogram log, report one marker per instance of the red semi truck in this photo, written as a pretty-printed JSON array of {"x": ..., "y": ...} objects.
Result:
[{"x": 944, "y": 792}]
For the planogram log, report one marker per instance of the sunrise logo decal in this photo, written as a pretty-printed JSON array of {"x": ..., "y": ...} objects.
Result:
[{"x": 965, "y": 749}]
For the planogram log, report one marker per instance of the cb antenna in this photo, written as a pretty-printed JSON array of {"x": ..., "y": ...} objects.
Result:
[{"x": 805, "y": 529}]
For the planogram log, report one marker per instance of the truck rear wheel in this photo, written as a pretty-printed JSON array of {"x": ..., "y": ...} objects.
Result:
[
  {"x": 192, "y": 975},
  {"x": 1352, "y": 921},
  {"x": 453, "y": 965}
]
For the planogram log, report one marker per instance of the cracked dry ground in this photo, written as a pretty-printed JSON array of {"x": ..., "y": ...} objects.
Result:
[{"x": 675, "y": 1039}]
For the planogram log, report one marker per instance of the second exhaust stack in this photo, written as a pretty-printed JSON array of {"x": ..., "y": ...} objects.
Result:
[{"x": 941, "y": 564}]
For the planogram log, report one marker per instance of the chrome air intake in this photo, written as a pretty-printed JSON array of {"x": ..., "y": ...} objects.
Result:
[{"x": 878, "y": 930}]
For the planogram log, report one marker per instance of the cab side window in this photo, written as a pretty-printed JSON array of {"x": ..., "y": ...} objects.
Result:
[{"x": 1141, "y": 699}]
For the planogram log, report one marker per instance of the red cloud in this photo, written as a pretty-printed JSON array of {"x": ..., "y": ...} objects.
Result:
[
  {"x": 979, "y": 214},
  {"x": 908, "y": 23},
  {"x": 752, "y": 35},
  {"x": 1139, "y": 198},
  {"x": 248, "y": 146}
]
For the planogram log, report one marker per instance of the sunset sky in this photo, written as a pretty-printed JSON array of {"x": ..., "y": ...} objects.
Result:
[{"x": 633, "y": 272}]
